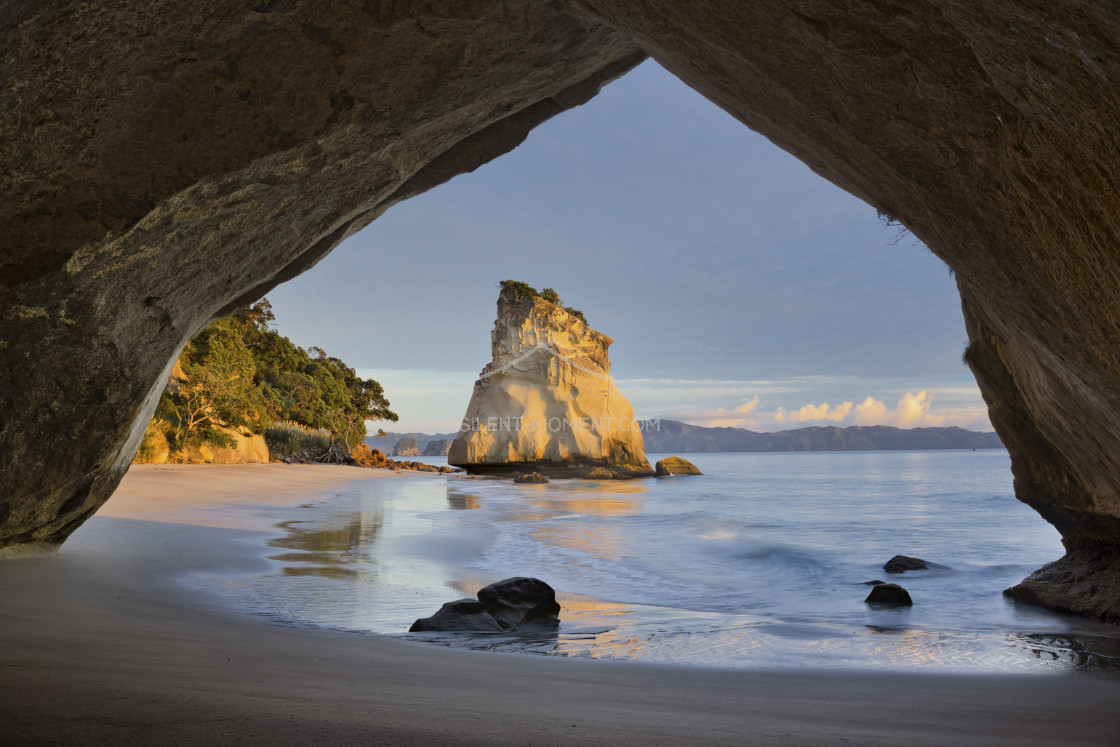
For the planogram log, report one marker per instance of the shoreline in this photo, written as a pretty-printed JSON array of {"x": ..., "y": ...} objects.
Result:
[{"x": 97, "y": 644}]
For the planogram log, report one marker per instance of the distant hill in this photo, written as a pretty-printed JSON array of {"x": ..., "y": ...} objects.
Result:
[
  {"x": 389, "y": 441},
  {"x": 675, "y": 436},
  {"x": 683, "y": 438}
]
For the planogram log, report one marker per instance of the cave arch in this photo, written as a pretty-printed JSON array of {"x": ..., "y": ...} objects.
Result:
[{"x": 166, "y": 164}]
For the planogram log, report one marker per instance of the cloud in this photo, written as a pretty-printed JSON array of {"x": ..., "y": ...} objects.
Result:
[
  {"x": 912, "y": 410},
  {"x": 739, "y": 417},
  {"x": 808, "y": 413},
  {"x": 916, "y": 410},
  {"x": 870, "y": 412}
]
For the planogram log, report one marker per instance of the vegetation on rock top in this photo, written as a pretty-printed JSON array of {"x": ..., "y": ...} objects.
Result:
[{"x": 523, "y": 290}]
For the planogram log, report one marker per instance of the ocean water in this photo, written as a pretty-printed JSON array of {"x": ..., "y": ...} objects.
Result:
[{"x": 759, "y": 563}]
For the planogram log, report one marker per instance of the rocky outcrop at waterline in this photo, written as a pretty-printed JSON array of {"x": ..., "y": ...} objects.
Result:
[
  {"x": 889, "y": 595},
  {"x": 546, "y": 401},
  {"x": 163, "y": 163},
  {"x": 515, "y": 605},
  {"x": 675, "y": 465}
]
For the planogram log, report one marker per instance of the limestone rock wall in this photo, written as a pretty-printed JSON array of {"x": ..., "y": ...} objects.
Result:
[{"x": 546, "y": 401}]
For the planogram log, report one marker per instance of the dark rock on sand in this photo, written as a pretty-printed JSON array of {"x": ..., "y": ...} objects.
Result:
[
  {"x": 531, "y": 477},
  {"x": 674, "y": 465},
  {"x": 889, "y": 594},
  {"x": 903, "y": 563},
  {"x": 460, "y": 615},
  {"x": 519, "y": 604},
  {"x": 522, "y": 604},
  {"x": 1085, "y": 582}
]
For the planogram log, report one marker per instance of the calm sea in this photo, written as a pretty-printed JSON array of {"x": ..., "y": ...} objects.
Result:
[{"x": 759, "y": 563}]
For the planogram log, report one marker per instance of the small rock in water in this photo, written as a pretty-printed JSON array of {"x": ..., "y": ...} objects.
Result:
[
  {"x": 903, "y": 563},
  {"x": 876, "y": 582},
  {"x": 600, "y": 473},
  {"x": 675, "y": 466},
  {"x": 889, "y": 594},
  {"x": 522, "y": 604},
  {"x": 532, "y": 477},
  {"x": 462, "y": 614}
]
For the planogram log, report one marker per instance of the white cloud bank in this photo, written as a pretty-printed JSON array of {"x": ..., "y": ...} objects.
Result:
[{"x": 912, "y": 410}]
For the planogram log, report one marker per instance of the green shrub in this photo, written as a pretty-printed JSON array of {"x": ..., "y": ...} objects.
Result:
[
  {"x": 521, "y": 289},
  {"x": 287, "y": 438},
  {"x": 576, "y": 313}
]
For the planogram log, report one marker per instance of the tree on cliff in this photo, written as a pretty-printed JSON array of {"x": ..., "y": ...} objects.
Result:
[
  {"x": 521, "y": 289},
  {"x": 217, "y": 389},
  {"x": 309, "y": 386},
  {"x": 239, "y": 372}
]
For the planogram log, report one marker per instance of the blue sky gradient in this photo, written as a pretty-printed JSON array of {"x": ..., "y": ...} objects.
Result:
[{"x": 723, "y": 267}]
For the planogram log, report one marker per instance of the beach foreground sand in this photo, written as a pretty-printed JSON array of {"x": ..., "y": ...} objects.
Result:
[{"x": 97, "y": 645}]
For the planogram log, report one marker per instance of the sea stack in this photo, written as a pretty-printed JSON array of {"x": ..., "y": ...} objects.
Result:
[{"x": 546, "y": 401}]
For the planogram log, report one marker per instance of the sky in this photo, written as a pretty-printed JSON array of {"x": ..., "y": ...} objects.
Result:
[{"x": 741, "y": 288}]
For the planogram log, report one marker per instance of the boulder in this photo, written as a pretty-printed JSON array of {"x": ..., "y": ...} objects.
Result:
[
  {"x": 522, "y": 604},
  {"x": 460, "y": 615},
  {"x": 532, "y": 477},
  {"x": 891, "y": 594},
  {"x": 599, "y": 473},
  {"x": 674, "y": 465},
  {"x": 903, "y": 563},
  {"x": 364, "y": 457}
]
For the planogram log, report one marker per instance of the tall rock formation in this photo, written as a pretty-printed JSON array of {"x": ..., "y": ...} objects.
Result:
[{"x": 546, "y": 401}]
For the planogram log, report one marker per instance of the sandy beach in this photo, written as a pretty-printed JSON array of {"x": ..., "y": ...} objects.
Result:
[{"x": 97, "y": 644}]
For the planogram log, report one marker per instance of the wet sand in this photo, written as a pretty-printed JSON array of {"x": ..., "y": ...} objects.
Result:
[{"x": 98, "y": 644}]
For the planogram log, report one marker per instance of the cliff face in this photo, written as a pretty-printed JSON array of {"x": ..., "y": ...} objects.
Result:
[{"x": 546, "y": 401}]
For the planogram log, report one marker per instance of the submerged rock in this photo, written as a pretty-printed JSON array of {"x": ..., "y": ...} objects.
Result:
[
  {"x": 675, "y": 466},
  {"x": 903, "y": 563},
  {"x": 876, "y": 582},
  {"x": 546, "y": 401},
  {"x": 462, "y": 614},
  {"x": 522, "y": 604},
  {"x": 532, "y": 477},
  {"x": 889, "y": 594}
]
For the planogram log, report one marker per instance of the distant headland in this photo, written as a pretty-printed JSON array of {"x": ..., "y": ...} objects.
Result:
[{"x": 666, "y": 436}]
